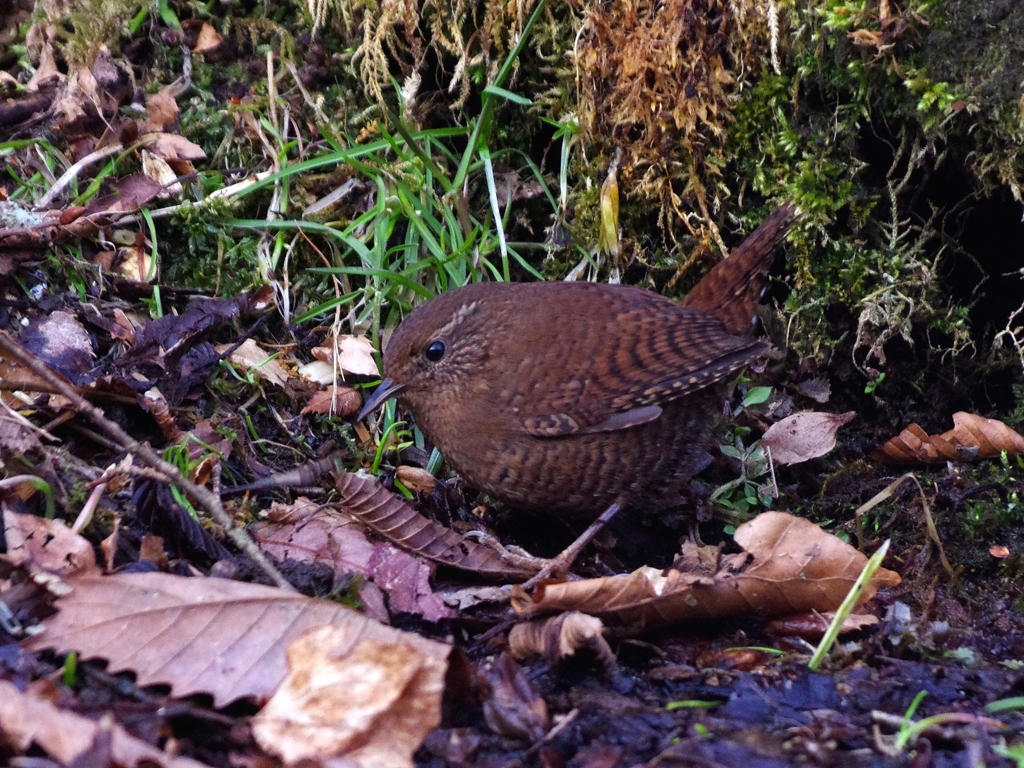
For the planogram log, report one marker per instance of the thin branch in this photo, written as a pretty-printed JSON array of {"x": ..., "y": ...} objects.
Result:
[{"x": 203, "y": 496}]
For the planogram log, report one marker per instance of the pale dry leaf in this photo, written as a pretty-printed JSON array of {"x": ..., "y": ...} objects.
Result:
[
  {"x": 250, "y": 357},
  {"x": 224, "y": 638},
  {"x": 369, "y": 701},
  {"x": 803, "y": 436},
  {"x": 318, "y": 372},
  {"x": 26, "y": 720},
  {"x": 156, "y": 168},
  {"x": 972, "y": 437},
  {"x": 209, "y": 39},
  {"x": 559, "y": 637},
  {"x": 355, "y": 356},
  {"x": 134, "y": 264},
  {"x": 47, "y": 544},
  {"x": 172, "y": 146},
  {"x": 789, "y": 565}
]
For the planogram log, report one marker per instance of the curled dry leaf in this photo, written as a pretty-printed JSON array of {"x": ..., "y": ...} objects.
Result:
[
  {"x": 26, "y": 720},
  {"x": 803, "y": 436},
  {"x": 812, "y": 626},
  {"x": 972, "y": 437},
  {"x": 789, "y": 565},
  {"x": 364, "y": 499},
  {"x": 513, "y": 708},
  {"x": 224, "y": 638},
  {"x": 46, "y": 544},
  {"x": 560, "y": 637},
  {"x": 369, "y": 701}
]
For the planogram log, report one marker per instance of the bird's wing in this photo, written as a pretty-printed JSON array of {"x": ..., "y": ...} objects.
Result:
[{"x": 644, "y": 359}]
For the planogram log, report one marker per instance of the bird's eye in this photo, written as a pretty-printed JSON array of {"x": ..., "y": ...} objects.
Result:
[{"x": 436, "y": 351}]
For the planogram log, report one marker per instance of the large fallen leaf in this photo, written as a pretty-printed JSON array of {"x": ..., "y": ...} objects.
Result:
[
  {"x": 972, "y": 437},
  {"x": 369, "y": 701},
  {"x": 224, "y": 638},
  {"x": 789, "y": 565},
  {"x": 26, "y": 720},
  {"x": 803, "y": 436},
  {"x": 399, "y": 523}
]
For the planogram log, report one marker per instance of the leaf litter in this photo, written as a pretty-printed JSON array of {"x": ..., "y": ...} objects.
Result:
[{"x": 335, "y": 683}]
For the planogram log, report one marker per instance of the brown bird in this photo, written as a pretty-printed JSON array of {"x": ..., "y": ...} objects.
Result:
[{"x": 579, "y": 398}]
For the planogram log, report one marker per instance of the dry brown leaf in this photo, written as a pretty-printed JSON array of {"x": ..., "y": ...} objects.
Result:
[
  {"x": 803, "y": 436},
  {"x": 26, "y": 720},
  {"x": 225, "y": 638},
  {"x": 416, "y": 479},
  {"x": 47, "y": 544},
  {"x": 162, "y": 108},
  {"x": 972, "y": 437},
  {"x": 789, "y": 565},
  {"x": 406, "y": 580},
  {"x": 560, "y": 637},
  {"x": 513, "y": 708},
  {"x": 339, "y": 401},
  {"x": 364, "y": 499},
  {"x": 306, "y": 532},
  {"x": 369, "y": 701},
  {"x": 250, "y": 357}
]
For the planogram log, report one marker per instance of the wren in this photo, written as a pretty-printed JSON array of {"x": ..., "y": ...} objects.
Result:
[{"x": 579, "y": 398}]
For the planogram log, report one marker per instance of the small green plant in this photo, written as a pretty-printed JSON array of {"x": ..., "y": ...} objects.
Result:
[{"x": 752, "y": 491}]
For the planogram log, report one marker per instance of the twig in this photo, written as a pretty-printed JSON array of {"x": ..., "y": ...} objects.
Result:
[
  {"x": 58, "y": 186},
  {"x": 203, "y": 496}
]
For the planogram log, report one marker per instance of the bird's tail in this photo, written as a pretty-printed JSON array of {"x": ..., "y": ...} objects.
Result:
[{"x": 732, "y": 289}]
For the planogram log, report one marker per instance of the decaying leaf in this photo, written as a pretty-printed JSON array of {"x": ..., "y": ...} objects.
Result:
[
  {"x": 68, "y": 738},
  {"x": 250, "y": 357},
  {"x": 608, "y": 234},
  {"x": 46, "y": 544},
  {"x": 789, "y": 565},
  {"x": 804, "y": 435},
  {"x": 369, "y": 701},
  {"x": 513, "y": 708},
  {"x": 399, "y": 523},
  {"x": 224, "y": 638},
  {"x": 560, "y": 637},
  {"x": 340, "y": 401},
  {"x": 60, "y": 341},
  {"x": 416, "y": 479},
  {"x": 972, "y": 437}
]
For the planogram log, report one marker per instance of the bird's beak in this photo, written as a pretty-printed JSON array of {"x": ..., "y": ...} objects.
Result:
[{"x": 384, "y": 392}]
